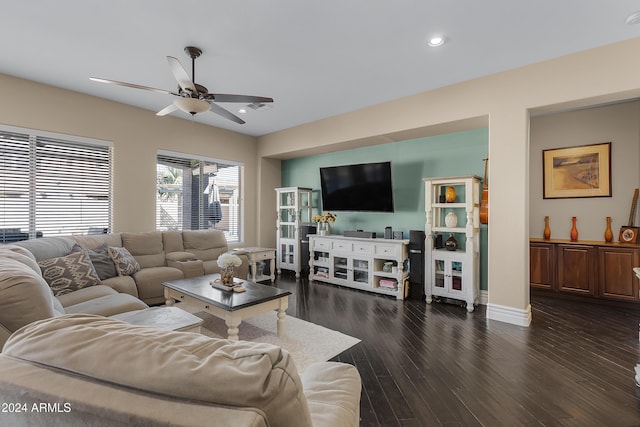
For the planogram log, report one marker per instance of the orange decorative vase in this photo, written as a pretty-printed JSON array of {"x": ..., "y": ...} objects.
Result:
[
  {"x": 547, "y": 230},
  {"x": 450, "y": 194},
  {"x": 574, "y": 230},
  {"x": 608, "y": 234}
]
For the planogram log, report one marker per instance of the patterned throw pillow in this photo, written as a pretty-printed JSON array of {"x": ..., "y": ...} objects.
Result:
[
  {"x": 69, "y": 273},
  {"x": 125, "y": 263},
  {"x": 101, "y": 259}
]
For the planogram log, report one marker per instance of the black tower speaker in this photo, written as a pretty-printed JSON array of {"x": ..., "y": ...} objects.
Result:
[
  {"x": 304, "y": 247},
  {"x": 416, "y": 264}
]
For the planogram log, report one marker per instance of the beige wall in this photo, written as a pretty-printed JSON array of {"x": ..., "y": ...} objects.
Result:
[
  {"x": 618, "y": 124},
  {"x": 598, "y": 75},
  {"x": 136, "y": 135}
]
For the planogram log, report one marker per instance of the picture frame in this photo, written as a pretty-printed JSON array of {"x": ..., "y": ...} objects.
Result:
[{"x": 574, "y": 172}]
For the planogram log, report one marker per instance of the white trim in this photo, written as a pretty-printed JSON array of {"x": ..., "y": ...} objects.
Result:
[
  {"x": 61, "y": 136},
  {"x": 196, "y": 157},
  {"x": 511, "y": 315}
]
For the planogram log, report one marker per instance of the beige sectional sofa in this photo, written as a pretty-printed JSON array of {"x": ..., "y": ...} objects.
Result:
[
  {"x": 91, "y": 370},
  {"x": 25, "y": 268},
  {"x": 162, "y": 256}
]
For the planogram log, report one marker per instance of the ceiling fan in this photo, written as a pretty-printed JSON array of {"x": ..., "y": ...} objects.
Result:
[{"x": 191, "y": 97}]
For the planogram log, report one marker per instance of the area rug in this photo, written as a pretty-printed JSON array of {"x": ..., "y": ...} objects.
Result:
[{"x": 306, "y": 342}]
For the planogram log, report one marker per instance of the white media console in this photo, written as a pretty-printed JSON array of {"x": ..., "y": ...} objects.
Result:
[{"x": 368, "y": 264}]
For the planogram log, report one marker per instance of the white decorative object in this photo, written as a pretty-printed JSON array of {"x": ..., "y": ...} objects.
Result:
[{"x": 451, "y": 220}]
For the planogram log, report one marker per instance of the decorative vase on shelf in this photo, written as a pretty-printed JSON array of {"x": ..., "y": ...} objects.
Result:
[
  {"x": 451, "y": 244},
  {"x": 608, "y": 234},
  {"x": 547, "y": 230},
  {"x": 450, "y": 194},
  {"x": 451, "y": 220},
  {"x": 574, "y": 230},
  {"x": 324, "y": 229}
]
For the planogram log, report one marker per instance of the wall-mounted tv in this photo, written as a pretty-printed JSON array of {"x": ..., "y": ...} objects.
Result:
[{"x": 362, "y": 187}]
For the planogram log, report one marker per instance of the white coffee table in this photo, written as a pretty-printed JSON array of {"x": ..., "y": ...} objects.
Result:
[{"x": 230, "y": 306}]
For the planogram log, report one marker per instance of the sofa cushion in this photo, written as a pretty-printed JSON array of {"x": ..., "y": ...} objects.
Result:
[
  {"x": 69, "y": 273},
  {"x": 333, "y": 391},
  {"x": 147, "y": 248},
  {"x": 17, "y": 253},
  {"x": 90, "y": 241},
  {"x": 47, "y": 248},
  {"x": 101, "y": 260},
  {"x": 107, "y": 305},
  {"x": 172, "y": 241},
  {"x": 85, "y": 294},
  {"x": 122, "y": 284},
  {"x": 24, "y": 295},
  {"x": 205, "y": 244},
  {"x": 125, "y": 263},
  {"x": 233, "y": 373}
]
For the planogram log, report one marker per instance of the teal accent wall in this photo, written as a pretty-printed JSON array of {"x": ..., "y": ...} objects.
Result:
[{"x": 453, "y": 154}]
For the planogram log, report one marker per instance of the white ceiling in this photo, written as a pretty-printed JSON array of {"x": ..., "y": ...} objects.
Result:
[{"x": 315, "y": 58}]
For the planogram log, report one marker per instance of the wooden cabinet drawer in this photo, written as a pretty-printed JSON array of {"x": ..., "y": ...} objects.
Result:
[
  {"x": 363, "y": 248},
  {"x": 322, "y": 244},
  {"x": 342, "y": 246},
  {"x": 387, "y": 250}
]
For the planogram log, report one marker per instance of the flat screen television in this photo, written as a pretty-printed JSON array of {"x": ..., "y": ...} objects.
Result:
[{"x": 363, "y": 187}]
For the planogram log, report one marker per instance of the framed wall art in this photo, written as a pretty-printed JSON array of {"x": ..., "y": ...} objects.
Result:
[{"x": 583, "y": 171}]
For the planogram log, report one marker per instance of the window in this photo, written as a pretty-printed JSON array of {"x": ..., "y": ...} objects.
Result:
[
  {"x": 198, "y": 193},
  {"x": 52, "y": 185}
]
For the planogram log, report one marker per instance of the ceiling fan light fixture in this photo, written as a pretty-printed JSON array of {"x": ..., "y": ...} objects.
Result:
[{"x": 191, "y": 105}]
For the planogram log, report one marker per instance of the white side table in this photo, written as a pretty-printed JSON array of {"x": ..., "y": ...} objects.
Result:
[{"x": 256, "y": 255}]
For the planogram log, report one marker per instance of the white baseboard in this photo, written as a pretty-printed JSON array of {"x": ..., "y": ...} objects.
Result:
[{"x": 511, "y": 315}]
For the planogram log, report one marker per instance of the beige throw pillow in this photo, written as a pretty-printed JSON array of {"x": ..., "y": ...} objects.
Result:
[
  {"x": 125, "y": 263},
  {"x": 69, "y": 273}
]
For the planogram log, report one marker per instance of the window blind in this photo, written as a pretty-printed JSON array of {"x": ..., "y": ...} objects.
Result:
[
  {"x": 195, "y": 193},
  {"x": 53, "y": 186}
]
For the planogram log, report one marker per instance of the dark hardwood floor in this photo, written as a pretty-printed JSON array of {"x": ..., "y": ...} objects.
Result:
[{"x": 437, "y": 365}]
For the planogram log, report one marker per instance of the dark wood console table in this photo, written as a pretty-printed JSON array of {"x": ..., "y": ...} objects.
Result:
[{"x": 589, "y": 268}]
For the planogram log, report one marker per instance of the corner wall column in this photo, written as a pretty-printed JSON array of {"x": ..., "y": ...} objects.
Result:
[{"x": 508, "y": 231}]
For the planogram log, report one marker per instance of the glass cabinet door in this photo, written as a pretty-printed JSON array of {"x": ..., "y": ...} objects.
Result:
[
  {"x": 456, "y": 275},
  {"x": 340, "y": 267},
  {"x": 439, "y": 273},
  {"x": 361, "y": 270}
]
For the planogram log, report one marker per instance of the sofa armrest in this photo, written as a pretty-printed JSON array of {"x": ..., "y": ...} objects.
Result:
[
  {"x": 332, "y": 390},
  {"x": 189, "y": 268}
]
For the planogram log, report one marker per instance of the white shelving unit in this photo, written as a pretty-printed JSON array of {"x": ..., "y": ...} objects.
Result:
[
  {"x": 360, "y": 263},
  {"x": 453, "y": 274},
  {"x": 294, "y": 209}
]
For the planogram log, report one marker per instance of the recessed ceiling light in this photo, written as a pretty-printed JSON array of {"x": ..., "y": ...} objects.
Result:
[
  {"x": 633, "y": 19},
  {"x": 436, "y": 41},
  {"x": 242, "y": 111}
]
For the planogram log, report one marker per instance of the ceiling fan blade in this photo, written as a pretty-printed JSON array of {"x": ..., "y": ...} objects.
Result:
[
  {"x": 181, "y": 75},
  {"x": 166, "y": 110},
  {"x": 223, "y": 97},
  {"x": 132, "y": 85},
  {"x": 226, "y": 114}
]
